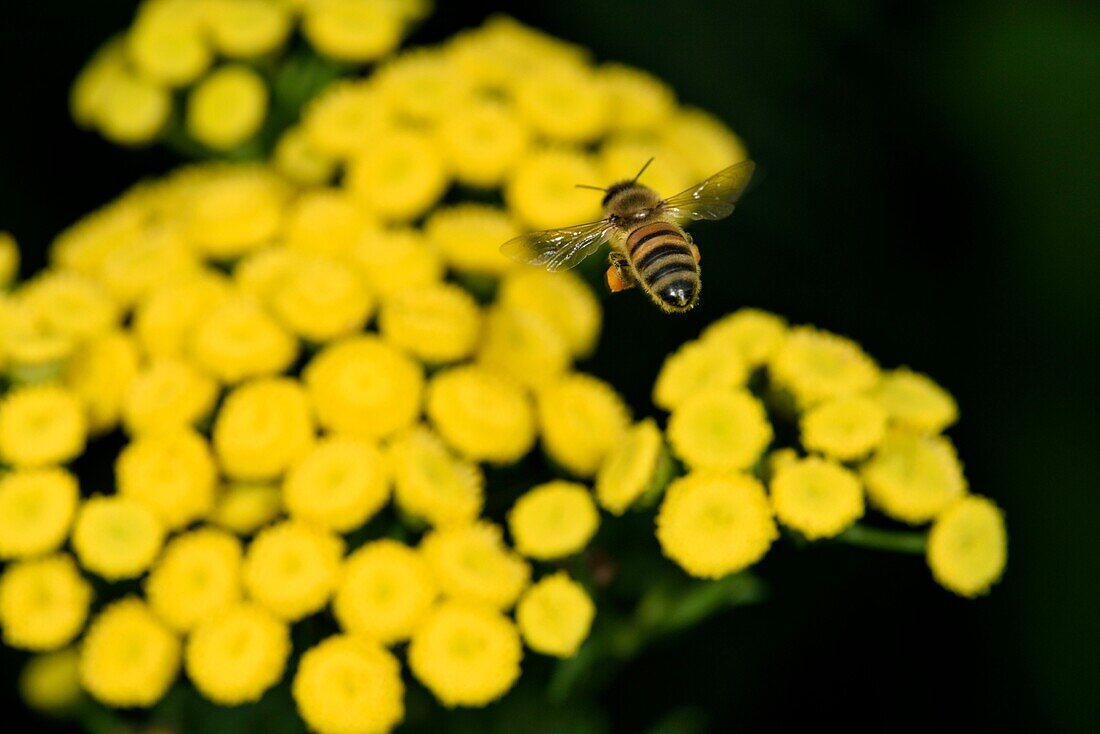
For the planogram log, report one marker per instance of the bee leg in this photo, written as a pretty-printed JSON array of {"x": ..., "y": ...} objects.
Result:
[{"x": 619, "y": 277}]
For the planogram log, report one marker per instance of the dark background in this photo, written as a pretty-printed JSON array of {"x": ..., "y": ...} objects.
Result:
[{"x": 931, "y": 190}]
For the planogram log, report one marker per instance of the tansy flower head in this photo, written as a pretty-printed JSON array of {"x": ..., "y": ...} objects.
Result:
[
  {"x": 260, "y": 273},
  {"x": 563, "y": 103},
  {"x": 235, "y": 656},
  {"x": 467, "y": 655},
  {"x": 322, "y": 299},
  {"x": 70, "y": 304},
  {"x": 431, "y": 483},
  {"x": 421, "y": 86},
  {"x": 239, "y": 340},
  {"x": 719, "y": 429},
  {"x": 555, "y": 615},
  {"x": 619, "y": 158},
  {"x": 298, "y": 160},
  {"x": 116, "y": 537},
  {"x": 637, "y": 464},
  {"x": 695, "y": 367},
  {"x": 523, "y": 345},
  {"x": 100, "y": 374},
  {"x": 386, "y": 591},
  {"x": 339, "y": 485},
  {"x": 43, "y": 602},
  {"x": 245, "y": 507},
  {"x": 263, "y": 428},
  {"x": 399, "y": 176},
  {"x": 913, "y": 478},
  {"x": 128, "y": 657},
  {"x": 166, "y": 42},
  {"x": 815, "y": 365},
  {"x": 713, "y": 524},
  {"x": 703, "y": 141},
  {"x": 170, "y": 472},
  {"x": 231, "y": 210},
  {"x": 36, "y": 510},
  {"x": 914, "y": 401},
  {"x": 581, "y": 418},
  {"x": 553, "y": 520},
  {"x": 198, "y": 575},
  {"x": 292, "y": 568},
  {"x": 561, "y": 298},
  {"x": 482, "y": 414},
  {"x": 355, "y": 31},
  {"x": 349, "y": 685},
  {"x": 130, "y": 110},
  {"x": 362, "y": 386},
  {"x": 845, "y": 428},
  {"x": 50, "y": 682},
  {"x": 396, "y": 260},
  {"x": 89, "y": 91},
  {"x": 471, "y": 562},
  {"x": 227, "y": 108},
  {"x": 160, "y": 255},
  {"x": 341, "y": 120},
  {"x": 247, "y": 28},
  {"x": 482, "y": 140},
  {"x": 437, "y": 324},
  {"x": 9, "y": 259},
  {"x": 542, "y": 190},
  {"x": 41, "y": 425},
  {"x": 816, "y": 497},
  {"x": 468, "y": 236},
  {"x": 169, "y": 394},
  {"x": 640, "y": 101},
  {"x": 967, "y": 546},
  {"x": 325, "y": 222},
  {"x": 755, "y": 335}
]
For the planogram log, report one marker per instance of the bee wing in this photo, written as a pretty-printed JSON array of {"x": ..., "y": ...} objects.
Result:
[
  {"x": 713, "y": 198},
  {"x": 558, "y": 249}
]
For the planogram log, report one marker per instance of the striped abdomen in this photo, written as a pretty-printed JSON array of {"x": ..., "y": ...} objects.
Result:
[{"x": 665, "y": 265}]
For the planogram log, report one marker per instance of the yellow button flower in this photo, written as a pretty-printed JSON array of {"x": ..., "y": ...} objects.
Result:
[
  {"x": 755, "y": 335},
  {"x": 70, "y": 304},
  {"x": 555, "y": 615},
  {"x": 36, "y": 510},
  {"x": 227, "y": 108},
  {"x": 386, "y": 592},
  {"x": 564, "y": 103},
  {"x": 581, "y": 419},
  {"x": 622, "y": 156},
  {"x": 469, "y": 237},
  {"x": 168, "y": 395},
  {"x": 232, "y": 210},
  {"x": 292, "y": 569},
  {"x": 967, "y": 547},
  {"x": 247, "y": 28},
  {"x": 364, "y": 387},
  {"x": 340, "y": 120},
  {"x": 543, "y": 193},
  {"x": 815, "y": 365},
  {"x": 396, "y": 260},
  {"x": 234, "y": 657},
  {"x": 482, "y": 141},
  {"x": 399, "y": 176},
  {"x": 43, "y": 603},
  {"x": 244, "y": 507},
  {"x": 845, "y": 428},
  {"x": 482, "y": 414},
  {"x": 128, "y": 657},
  {"x": 339, "y": 485},
  {"x": 704, "y": 141},
  {"x": 356, "y": 31},
  {"x": 471, "y": 562},
  {"x": 84, "y": 246},
  {"x": 422, "y": 86},
  {"x": 261, "y": 272},
  {"x": 913, "y": 478},
  {"x": 467, "y": 655},
  {"x": 695, "y": 367},
  {"x": 166, "y": 42},
  {"x": 299, "y": 160},
  {"x": 524, "y": 346},
  {"x": 914, "y": 401},
  {"x": 632, "y": 467},
  {"x": 817, "y": 497},
  {"x": 50, "y": 682},
  {"x": 640, "y": 101},
  {"x": 87, "y": 95},
  {"x": 263, "y": 428},
  {"x": 436, "y": 324},
  {"x": 132, "y": 110},
  {"x": 349, "y": 685},
  {"x": 101, "y": 373},
  {"x": 719, "y": 429},
  {"x": 156, "y": 258},
  {"x": 553, "y": 520},
  {"x": 198, "y": 575},
  {"x": 41, "y": 425},
  {"x": 562, "y": 298},
  {"x": 9, "y": 259},
  {"x": 431, "y": 483},
  {"x": 170, "y": 472},
  {"x": 322, "y": 299},
  {"x": 239, "y": 340},
  {"x": 713, "y": 524},
  {"x": 325, "y": 222},
  {"x": 116, "y": 537}
]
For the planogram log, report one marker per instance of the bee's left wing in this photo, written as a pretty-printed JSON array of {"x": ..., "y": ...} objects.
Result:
[
  {"x": 715, "y": 197},
  {"x": 558, "y": 249}
]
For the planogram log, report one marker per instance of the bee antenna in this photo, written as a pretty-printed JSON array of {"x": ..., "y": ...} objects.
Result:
[
  {"x": 635, "y": 180},
  {"x": 586, "y": 186}
]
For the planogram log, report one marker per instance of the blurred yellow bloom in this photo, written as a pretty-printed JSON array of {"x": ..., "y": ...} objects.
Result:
[
  {"x": 198, "y": 575},
  {"x": 469, "y": 237},
  {"x": 84, "y": 245},
  {"x": 41, "y": 425},
  {"x": 70, "y": 304},
  {"x": 356, "y": 31},
  {"x": 298, "y": 159},
  {"x": 232, "y": 210},
  {"x": 164, "y": 321},
  {"x": 247, "y": 28},
  {"x": 292, "y": 568},
  {"x": 465, "y": 654},
  {"x": 235, "y": 656},
  {"x": 555, "y": 615},
  {"x": 914, "y": 401},
  {"x": 263, "y": 428},
  {"x": 564, "y": 103},
  {"x": 43, "y": 602},
  {"x": 640, "y": 101},
  {"x": 243, "y": 508},
  {"x": 621, "y": 157},
  {"x": 260, "y": 273},
  {"x": 50, "y": 682},
  {"x": 431, "y": 483},
  {"x": 158, "y": 257},
  {"x": 36, "y": 510},
  {"x": 703, "y": 141},
  {"x": 116, "y": 537},
  {"x": 482, "y": 140},
  {"x": 131, "y": 110},
  {"x": 482, "y": 414},
  {"x": 170, "y": 472},
  {"x": 543, "y": 193},
  {"x": 553, "y": 520},
  {"x": 845, "y": 428},
  {"x": 563, "y": 299},
  {"x": 349, "y": 685},
  {"x": 339, "y": 485},
  {"x": 396, "y": 260},
  {"x": 472, "y": 563},
  {"x": 227, "y": 108},
  {"x": 697, "y": 366},
  {"x": 581, "y": 419},
  {"x": 421, "y": 86},
  {"x": 166, "y": 42},
  {"x": 9, "y": 259},
  {"x": 239, "y": 340},
  {"x": 755, "y": 335},
  {"x": 386, "y": 592},
  {"x": 719, "y": 429},
  {"x": 913, "y": 478},
  {"x": 817, "y": 497},
  {"x": 815, "y": 365},
  {"x": 101, "y": 373},
  {"x": 322, "y": 299},
  {"x": 399, "y": 176},
  {"x": 128, "y": 657},
  {"x": 715, "y": 523},
  {"x": 325, "y": 222},
  {"x": 364, "y": 387},
  {"x": 436, "y": 324},
  {"x": 342, "y": 119},
  {"x": 523, "y": 345},
  {"x": 89, "y": 90},
  {"x": 630, "y": 467},
  {"x": 169, "y": 394},
  {"x": 967, "y": 546}
]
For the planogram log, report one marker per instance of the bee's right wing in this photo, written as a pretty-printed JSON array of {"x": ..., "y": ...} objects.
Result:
[{"x": 558, "y": 249}]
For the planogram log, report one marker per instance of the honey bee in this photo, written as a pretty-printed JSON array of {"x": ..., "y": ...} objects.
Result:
[{"x": 648, "y": 246}]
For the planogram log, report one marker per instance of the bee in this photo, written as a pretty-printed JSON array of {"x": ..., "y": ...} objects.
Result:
[{"x": 648, "y": 246}]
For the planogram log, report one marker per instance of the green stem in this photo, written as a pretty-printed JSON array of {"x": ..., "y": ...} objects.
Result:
[{"x": 896, "y": 541}]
